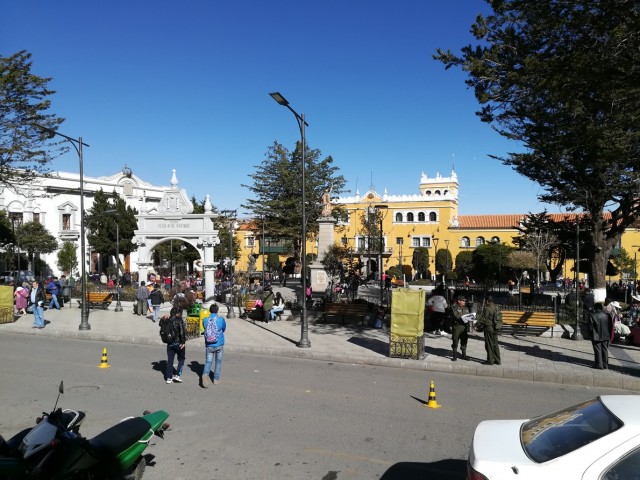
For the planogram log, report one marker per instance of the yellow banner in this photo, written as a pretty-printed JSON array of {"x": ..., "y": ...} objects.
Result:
[
  {"x": 6, "y": 304},
  {"x": 407, "y": 312}
]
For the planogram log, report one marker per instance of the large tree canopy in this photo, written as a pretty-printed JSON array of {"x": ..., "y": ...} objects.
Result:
[
  {"x": 25, "y": 149},
  {"x": 277, "y": 190},
  {"x": 562, "y": 78}
]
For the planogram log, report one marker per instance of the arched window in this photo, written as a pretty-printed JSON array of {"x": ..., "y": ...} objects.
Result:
[
  {"x": 409, "y": 217},
  {"x": 465, "y": 242},
  {"x": 437, "y": 192},
  {"x": 479, "y": 241},
  {"x": 495, "y": 239},
  {"x": 427, "y": 193},
  {"x": 398, "y": 217},
  {"x": 433, "y": 217},
  {"x": 421, "y": 217}
]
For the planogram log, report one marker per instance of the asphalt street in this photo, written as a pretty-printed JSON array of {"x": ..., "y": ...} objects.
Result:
[{"x": 272, "y": 416}]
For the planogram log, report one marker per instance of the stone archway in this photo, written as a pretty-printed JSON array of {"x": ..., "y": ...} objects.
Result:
[{"x": 173, "y": 219}]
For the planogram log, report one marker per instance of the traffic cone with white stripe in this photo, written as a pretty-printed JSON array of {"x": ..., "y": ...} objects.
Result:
[
  {"x": 432, "y": 403},
  {"x": 103, "y": 362}
]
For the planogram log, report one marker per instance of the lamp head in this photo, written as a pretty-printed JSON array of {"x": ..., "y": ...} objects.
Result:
[{"x": 279, "y": 98}]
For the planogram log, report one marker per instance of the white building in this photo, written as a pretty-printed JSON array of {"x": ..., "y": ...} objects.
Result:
[{"x": 54, "y": 201}]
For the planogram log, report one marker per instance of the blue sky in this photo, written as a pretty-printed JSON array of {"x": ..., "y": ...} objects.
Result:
[{"x": 160, "y": 84}]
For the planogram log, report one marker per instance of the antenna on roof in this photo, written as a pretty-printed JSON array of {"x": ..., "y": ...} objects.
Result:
[{"x": 453, "y": 162}]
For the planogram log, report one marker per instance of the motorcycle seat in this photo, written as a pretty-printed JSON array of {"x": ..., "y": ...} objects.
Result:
[{"x": 116, "y": 439}]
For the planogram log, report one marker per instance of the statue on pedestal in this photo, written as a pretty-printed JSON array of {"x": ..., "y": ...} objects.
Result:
[{"x": 326, "y": 202}]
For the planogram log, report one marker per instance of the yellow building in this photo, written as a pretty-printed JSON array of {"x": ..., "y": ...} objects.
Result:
[{"x": 429, "y": 218}]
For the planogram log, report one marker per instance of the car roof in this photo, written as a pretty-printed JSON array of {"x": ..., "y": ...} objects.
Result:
[{"x": 625, "y": 407}]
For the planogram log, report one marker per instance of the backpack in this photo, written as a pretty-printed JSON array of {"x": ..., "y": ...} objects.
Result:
[
  {"x": 497, "y": 321},
  {"x": 212, "y": 333},
  {"x": 167, "y": 333}
]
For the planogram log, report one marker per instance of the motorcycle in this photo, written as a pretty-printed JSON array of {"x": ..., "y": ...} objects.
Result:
[{"x": 55, "y": 449}]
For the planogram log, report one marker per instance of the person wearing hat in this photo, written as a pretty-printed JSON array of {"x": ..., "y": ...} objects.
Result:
[
  {"x": 459, "y": 327},
  {"x": 620, "y": 330},
  {"x": 491, "y": 319}
]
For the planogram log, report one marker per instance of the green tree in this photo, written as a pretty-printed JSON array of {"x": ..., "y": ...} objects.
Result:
[
  {"x": 488, "y": 260},
  {"x": 444, "y": 262},
  {"x": 561, "y": 78},
  {"x": 625, "y": 264},
  {"x": 25, "y": 149},
  {"x": 464, "y": 264},
  {"x": 35, "y": 239},
  {"x": 420, "y": 261},
  {"x": 101, "y": 219},
  {"x": 537, "y": 234},
  {"x": 277, "y": 191},
  {"x": 334, "y": 262},
  {"x": 67, "y": 258},
  {"x": 520, "y": 261}
]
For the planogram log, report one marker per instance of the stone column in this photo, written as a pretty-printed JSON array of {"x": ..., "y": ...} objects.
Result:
[{"x": 319, "y": 279}]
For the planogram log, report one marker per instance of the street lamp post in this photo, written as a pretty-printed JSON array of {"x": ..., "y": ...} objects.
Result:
[
  {"x": 446, "y": 267},
  {"x": 378, "y": 208},
  {"x": 304, "y": 324},
  {"x": 577, "y": 335},
  {"x": 78, "y": 144},
  {"x": 435, "y": 257}
]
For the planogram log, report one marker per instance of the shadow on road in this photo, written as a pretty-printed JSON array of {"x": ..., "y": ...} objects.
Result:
[{"x": 441, "y": 470}]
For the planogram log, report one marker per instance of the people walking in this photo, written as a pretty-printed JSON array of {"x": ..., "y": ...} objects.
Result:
[
  {"x": 491, "y": 320},
  {"x": 459, "y": 327},
  {"x": 438, "y": 304},
  {"x": 157, "y": 299},
  {"x": 53, "y": 287},
  {"x": 142, "y": 295},
  {"x": 600, "y": 328},
  {"x": 177, "y": 347},
  {"x": 36, "y": 300},
  {"x": 214, "y": 328}
]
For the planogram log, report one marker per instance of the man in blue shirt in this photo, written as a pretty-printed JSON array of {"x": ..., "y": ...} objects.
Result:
[{"x": 213, "y": 349}]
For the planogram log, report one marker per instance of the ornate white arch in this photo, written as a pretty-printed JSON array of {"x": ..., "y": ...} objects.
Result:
[{"x": 173, "y": 220}]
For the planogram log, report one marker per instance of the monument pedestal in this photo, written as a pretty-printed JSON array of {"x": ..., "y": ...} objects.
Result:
[{"x": 319, "y": 279}]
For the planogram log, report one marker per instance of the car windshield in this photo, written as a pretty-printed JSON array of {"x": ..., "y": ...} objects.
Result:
[{"x": 551, "y": 436}]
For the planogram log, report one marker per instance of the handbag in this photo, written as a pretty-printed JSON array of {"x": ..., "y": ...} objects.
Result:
[{"x": 479, "y": 327}]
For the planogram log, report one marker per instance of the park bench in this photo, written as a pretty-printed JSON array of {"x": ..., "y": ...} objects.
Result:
[
  {"x": 345, "y": 310},
  {"x": 98, "y": 300},
  {"x": 519, "y": 322}
]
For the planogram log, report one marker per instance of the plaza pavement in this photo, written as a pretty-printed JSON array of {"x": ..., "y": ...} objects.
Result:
[{"x": 531, "y": 358}]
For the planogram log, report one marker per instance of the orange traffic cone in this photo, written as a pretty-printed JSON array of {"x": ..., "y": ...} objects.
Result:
[
  {"x": 103, "y": 362},
  {"x": 432, "y": 403}
]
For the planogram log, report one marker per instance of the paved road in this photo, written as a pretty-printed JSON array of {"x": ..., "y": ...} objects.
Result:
[{"x": 272, "y": 417}]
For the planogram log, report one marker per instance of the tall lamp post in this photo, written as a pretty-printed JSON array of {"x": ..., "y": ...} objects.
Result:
[
  {"x": 435, "y": 257},
  {"x": 577, "y": 335},
  {"x": 446, "y": 267},
  {"x": 78, "y": 144},
  {"x": 378, "y": 208},
  {"x": 304, "y": 324}
]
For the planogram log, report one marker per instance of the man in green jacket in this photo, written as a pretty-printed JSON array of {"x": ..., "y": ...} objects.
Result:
[
  {"x": 491, "y": 320},
  {"x": 459, "y": 327}
]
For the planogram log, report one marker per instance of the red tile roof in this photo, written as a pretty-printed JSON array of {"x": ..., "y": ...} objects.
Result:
[{"x": 507, "y": 221}]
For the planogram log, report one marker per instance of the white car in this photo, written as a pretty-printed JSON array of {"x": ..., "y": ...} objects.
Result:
[{"x": 598, "y": 439}]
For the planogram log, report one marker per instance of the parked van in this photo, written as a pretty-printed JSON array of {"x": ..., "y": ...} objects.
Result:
[{"x": 17, "y": 277}]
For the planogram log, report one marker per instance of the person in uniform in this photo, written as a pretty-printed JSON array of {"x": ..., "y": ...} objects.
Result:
[
  {"x": 458, "y": 327},
  {"x": 491, "y": 319}
]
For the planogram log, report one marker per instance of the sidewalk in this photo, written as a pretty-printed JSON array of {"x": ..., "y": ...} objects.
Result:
[{"x": 538, "y": 359}]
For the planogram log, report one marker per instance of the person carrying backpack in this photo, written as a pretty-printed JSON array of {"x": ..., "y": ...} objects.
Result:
[
  {"x": 174, "y": 334},
  {"x": 214, "y": 328}
]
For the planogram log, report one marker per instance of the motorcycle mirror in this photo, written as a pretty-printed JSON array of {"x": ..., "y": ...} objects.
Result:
[{"x": 60, "y": 392}]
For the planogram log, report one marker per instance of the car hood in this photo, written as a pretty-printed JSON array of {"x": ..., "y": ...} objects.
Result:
[{"x": 496, "y": 447}]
